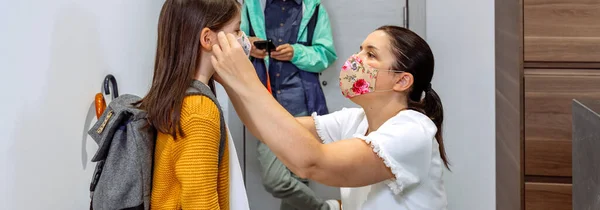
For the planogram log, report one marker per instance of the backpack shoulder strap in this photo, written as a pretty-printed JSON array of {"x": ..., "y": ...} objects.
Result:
[
  {"x": 199, "y": 88},
  {"x": 312, "y": 24}
]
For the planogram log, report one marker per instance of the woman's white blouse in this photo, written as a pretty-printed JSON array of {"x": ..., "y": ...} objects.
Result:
[{"x": 406, "y": 144}]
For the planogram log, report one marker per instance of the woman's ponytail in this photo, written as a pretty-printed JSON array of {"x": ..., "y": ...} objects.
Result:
[
  {"x": 431, "y": 105},
  {"x": 433, "y": 108}
]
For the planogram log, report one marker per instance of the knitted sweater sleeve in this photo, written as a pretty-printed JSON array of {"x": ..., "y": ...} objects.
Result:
[{"x": 196, "y": 166}]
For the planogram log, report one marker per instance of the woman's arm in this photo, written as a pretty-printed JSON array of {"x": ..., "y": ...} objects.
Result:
[
  {"x": 349, "y": 163},
  {"x": 346, "y": 163},
  {"x": 275, "y": 127},
  {"x": 309, "y": 124}
]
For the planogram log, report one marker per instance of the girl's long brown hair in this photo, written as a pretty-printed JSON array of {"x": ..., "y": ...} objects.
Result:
[{"x": 177, "y": 55}]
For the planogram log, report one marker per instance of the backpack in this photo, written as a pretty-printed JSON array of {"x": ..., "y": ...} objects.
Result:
[{"x": 123, "y": 175}]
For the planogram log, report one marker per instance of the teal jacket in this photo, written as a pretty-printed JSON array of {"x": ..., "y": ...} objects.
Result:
[{"x": 315, "y": 58}]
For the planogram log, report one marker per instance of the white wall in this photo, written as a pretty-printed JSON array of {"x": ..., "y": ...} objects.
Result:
[
  {"x": 461, "y": 34},
  {"x": 54, "y": 56}
]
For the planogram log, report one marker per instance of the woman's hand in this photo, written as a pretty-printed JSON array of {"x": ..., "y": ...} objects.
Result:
[{"x": 232, "y": 66}]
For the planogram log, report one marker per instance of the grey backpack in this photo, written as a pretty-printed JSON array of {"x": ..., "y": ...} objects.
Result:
[{"x": 123, "y": 175}]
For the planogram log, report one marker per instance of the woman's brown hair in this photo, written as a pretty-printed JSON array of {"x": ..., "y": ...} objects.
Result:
[
  {"x": 413, "y": 55},
  {"x": 177, "y": 56}
]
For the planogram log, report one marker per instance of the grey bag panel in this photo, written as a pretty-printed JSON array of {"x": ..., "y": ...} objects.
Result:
[
  {"x": 123, "y": 176},
  {"x": 118, "y": 187},
  {"x": 107, "y": 124},
  {"x": 148, "y": 133}
]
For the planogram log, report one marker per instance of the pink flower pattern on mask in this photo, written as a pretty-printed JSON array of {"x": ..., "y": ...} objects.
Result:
[
  {"x": 360, "y": 87},
  {"x": 359, "y": 81},
  {"x": 346, "y": 66}
]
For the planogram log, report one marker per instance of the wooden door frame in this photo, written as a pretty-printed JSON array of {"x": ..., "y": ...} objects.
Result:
[{"x": 509, "y": 105}]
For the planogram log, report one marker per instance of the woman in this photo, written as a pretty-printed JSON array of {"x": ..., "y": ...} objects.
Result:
[
  {"x": 188, "y": 173},
  {"x": 389, "y": 154}
]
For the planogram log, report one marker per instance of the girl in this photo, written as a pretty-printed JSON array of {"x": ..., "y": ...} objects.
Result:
[
  {"x": 189, "y": 170},
  {"x": 389, "y": 154}
]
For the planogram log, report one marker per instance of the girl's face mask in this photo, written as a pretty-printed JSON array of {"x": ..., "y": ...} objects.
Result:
[
  {"x": 357, "y": 78},
  {"x": 245, "y": 42}
]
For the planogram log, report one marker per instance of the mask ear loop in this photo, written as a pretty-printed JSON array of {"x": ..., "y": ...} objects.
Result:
[{"x": 395, "y": 71}]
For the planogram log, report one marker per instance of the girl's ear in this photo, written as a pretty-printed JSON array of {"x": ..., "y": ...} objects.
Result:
[{"x": 206, "y": 39}]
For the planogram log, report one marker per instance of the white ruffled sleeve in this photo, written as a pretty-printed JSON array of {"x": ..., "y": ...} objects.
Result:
[
  {"x": 332, "y": 127},
  {"x": 405, "y": 146}
]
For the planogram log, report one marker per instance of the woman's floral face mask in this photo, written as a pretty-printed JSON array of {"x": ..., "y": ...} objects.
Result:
[{"x": 357, "y": 78}]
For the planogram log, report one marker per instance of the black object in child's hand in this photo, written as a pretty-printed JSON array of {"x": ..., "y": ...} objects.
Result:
[{"x": 265, "y": 45}]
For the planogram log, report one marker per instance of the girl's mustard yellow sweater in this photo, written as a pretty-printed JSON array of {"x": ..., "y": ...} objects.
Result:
[{"x": 186, "y": 171}]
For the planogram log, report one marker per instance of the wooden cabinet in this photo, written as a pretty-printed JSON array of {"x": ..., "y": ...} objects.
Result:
[
  {"x": 547, "y": 54},
  {"x": 562, "y": 30},
  {"x": 548, "y": 196},
  {"x": 548, "y": 98}
]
